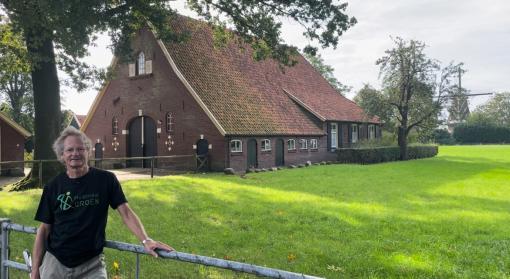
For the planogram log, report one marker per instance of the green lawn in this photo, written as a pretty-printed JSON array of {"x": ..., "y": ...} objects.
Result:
[{"x": 444, "y": 217}]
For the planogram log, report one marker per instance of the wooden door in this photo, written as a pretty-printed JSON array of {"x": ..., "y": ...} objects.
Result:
[
  {"x": 252, "y": 154},
  {"x": 279, "y": 153}
]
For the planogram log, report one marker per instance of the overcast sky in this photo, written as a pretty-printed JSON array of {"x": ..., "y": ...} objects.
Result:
[{"x": 470, "y": 31}]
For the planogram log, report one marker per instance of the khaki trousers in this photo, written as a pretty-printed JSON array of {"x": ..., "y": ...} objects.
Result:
[{"x": 51, "y": 268}]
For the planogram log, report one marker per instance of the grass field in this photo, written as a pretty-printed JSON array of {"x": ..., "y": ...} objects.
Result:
[{"x": 444, "y": 217}]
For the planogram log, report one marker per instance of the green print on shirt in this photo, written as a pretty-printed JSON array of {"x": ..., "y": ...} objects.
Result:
[{"x": 65, "y": 201}]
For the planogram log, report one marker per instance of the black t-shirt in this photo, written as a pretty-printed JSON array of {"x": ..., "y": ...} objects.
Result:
[{"x": 77, "y": 209}]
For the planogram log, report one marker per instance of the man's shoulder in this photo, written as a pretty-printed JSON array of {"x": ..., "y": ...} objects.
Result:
[{"x": 102, "y": 173}]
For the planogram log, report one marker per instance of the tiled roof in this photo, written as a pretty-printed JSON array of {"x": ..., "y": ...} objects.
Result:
[{"x": 254, "y": 98}]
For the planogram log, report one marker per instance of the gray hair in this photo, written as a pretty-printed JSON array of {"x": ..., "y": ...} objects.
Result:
[{"x": 58, "y": 145}]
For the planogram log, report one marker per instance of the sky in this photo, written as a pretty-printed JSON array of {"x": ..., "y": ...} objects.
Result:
[{"x": 474, "y": 32}]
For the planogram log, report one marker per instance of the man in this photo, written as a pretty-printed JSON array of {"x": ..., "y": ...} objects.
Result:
[{"x": 74, "y": 210}]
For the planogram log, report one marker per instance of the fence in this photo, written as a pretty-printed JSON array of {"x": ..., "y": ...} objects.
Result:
[
  {"x": 6, "y": 263},
  {"x": 171, "y": 163}
]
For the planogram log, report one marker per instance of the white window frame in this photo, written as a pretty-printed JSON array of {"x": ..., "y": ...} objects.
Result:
[
  {"x": 141, "y": 63},
  {"x": 334, "y": 135},
  {"x": 303, "y": 144},
  {"x": 314, "y": 144},
  {"x": 371, "y": 131},
  {"x": 236, "y": 146},
  {"x": 354, "y": 133},
  {"x": 290, "y": 146},
  {"x": 265, "y": 145}
]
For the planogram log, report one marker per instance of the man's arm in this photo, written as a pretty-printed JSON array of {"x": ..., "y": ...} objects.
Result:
[
  {"x": 132, "y": 221},
  {"x": 39, "y": 247}
]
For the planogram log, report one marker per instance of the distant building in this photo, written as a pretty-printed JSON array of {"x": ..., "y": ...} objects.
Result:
[{"x": 12, "y": 145}]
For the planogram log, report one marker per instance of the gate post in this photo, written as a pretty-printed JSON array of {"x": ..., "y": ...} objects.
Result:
[{"x": 4, "y": 235}]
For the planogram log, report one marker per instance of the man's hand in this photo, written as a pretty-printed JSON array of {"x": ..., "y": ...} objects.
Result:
[{"x": 151, "y": 245}]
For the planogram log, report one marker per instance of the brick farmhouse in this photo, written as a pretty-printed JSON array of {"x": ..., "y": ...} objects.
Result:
[{"x": 192, "y": 97}]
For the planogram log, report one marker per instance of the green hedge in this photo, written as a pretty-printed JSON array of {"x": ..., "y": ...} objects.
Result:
[
  {"x": 476, "y": 133},
  {"x": 383, "y": 154}
]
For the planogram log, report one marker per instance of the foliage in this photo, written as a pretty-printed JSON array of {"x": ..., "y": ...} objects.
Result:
[
  {"x": 59, "y": 32},
  {"x": 375, "y": 103},
  {"x": 373, "y": 155},
  {"x": 495, "y": 112},
  {"x": 443, "y": 217},
  {"x": 415, "y": 86},
  {"x": 476, "y": 133},
  {"x": 442, "y": 136},
  {"x": 458, "y": 107},
  {"x": 327, "y": 72},
  {"x": 15, "y": 84}
]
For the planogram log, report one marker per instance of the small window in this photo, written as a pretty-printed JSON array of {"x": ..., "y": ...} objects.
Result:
[
  {"x": 371, "y": 131},
  {"x": 140, "y": 64},
  {"x": 236, "y": 146},
  {"x": 115, "y": 126},
  {"x": 265, "y": 145},
  {"x": 334, "y": 135},
  {"x": 291, "y": 144},
  {"x": 354, "y": 133},
  {"x": 314, "y": 144},
  {"x": 303, "y": 144},
  {"x": 169, "y": 123}
]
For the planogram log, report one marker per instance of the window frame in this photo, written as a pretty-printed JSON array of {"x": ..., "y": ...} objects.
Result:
[
  {"x": 293, "y": 145},
  {"x": 354, "y": 139},
  {"x": 265, "y": 145},
  {"x": 371, "y": 131},
  {"x": 301, "y": 141},
  {"x": 140, "y": 64},
  {"x": 316, "y": 147},
  {"x": 335, "y": 137},
  {"x": 239, "y": 148}
]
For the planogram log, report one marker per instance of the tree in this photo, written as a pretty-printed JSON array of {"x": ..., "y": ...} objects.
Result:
[
  {"x": 327, "y": 72},
  {"x": 59, "y": 32},
  {"x": 374, "y": 103},
  {"x": 495, "y": 112},
  {"x": 15, "y": 83},
  {"x": 415, "y": 86},
  {"x": 458, "y": 108}
]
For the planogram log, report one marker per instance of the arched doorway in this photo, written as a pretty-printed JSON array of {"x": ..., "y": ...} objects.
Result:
[
  {"x": 279, "y": 154},
  {"x": 252, "y": 154},
  {"x": 141, "y": 141},
  {"x": 98, "y": 155}
]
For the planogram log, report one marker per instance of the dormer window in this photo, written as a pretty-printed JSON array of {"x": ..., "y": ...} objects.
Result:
[{"x": 140, "y": 64}]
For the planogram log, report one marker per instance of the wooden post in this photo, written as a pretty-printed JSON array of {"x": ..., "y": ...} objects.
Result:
[
  {"x": 40, "y": 174},
  {"x": 152, "y": 167}
]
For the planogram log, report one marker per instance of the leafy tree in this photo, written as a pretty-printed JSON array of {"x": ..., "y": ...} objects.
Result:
[
  {"x": 15, "y": 83},
  {"x": 327, "y": 72},
  {"x": 458, "y": 107},
  {"x": 374, "y": 103},
  {"x": 415, "y": 86},
  {"x": 495, "y": 112},
  {"x": 58, "y": 32}
]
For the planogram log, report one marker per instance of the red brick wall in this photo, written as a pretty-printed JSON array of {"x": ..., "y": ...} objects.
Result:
[
  {"x": 154, "y": 95},
  {"x": 12, "y": 148}
]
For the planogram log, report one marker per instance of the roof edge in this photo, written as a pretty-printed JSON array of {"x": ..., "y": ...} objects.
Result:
[
  {"x": 15, "y": 125},
  {"x": 305, "y": 106}
]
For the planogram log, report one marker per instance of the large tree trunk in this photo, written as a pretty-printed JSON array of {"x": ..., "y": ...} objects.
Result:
[
  {"x": 402, "y": 142},
  {"x": 46, "y": 105}
]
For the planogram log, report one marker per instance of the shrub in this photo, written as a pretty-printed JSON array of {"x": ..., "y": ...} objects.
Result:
[
  {"x": 442, "y": 136},
  {"x": 383, "y": 154},
  {"x": 477, "y": 133}
]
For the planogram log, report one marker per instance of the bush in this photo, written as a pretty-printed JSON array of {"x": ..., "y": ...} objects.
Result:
[
  {"x": 442, "y": 136},
  {"x": 477, "y": 133},
  {"x": 383, "y": 154}
]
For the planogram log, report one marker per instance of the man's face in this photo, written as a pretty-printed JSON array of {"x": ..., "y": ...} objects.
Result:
[{"x": 75, "y": 155}]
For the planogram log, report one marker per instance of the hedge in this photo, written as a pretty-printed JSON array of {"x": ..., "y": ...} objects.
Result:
[
  {"x": 476, "y": 133},
  {"x": 383, "y": 154}
]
